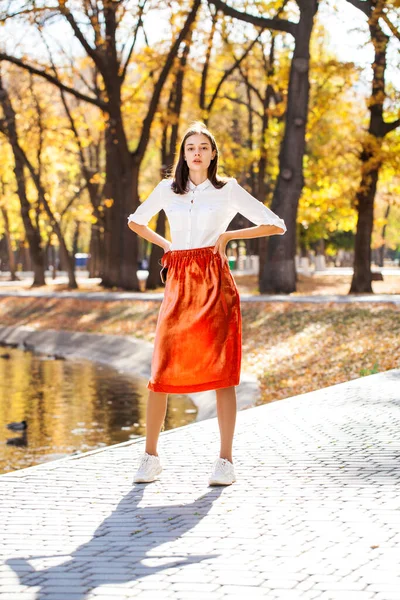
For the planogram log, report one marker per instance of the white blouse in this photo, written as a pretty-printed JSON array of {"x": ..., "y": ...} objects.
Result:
[{"x": 198, "y": 217}]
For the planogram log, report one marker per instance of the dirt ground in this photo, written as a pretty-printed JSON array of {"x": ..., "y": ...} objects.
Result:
[{"x": 323, "y": 284}]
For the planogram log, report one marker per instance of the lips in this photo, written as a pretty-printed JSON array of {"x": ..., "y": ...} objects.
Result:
[{"x": 197, "y": 161}]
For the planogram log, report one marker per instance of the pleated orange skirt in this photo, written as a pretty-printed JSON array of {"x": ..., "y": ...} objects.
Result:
[{"x": 198, "y": 338}]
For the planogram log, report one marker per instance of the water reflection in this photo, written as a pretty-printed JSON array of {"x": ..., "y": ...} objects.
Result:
[{"x": 70, "y": 407}]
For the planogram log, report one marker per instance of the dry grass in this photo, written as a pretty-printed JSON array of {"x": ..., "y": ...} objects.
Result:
[{"x": 323, "y": 285}]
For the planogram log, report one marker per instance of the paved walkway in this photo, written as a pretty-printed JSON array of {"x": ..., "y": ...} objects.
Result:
[
  {"x": 7, "y": 288},
  {"x": 314, "y": 513},
  {"x": 108, "y": 296}
]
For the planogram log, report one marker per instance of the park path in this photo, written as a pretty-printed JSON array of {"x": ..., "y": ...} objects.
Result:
[
  {"x": 10, "y": 288},
  {"x": 314, "y": 512},
  {"x": 111, "y": 296}
]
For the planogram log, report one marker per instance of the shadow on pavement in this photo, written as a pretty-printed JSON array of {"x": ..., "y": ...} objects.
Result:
[{"x": 121, "y": 542}]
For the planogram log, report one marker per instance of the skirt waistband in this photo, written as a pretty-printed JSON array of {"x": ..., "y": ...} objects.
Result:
[
  {"x": 178, "y": 254},
  {"x": 191, "y": 251}
]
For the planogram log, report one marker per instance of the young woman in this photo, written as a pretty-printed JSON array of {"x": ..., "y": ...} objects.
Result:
[{"x": 198, "y": 339}]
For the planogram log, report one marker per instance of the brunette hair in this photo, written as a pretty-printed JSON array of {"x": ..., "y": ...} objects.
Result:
[{"x": 181, "y": 170}]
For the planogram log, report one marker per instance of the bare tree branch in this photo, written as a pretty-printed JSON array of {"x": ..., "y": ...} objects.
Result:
[
  {"x": 364, "y": 5},
  {"x": 6, "y": 15},
  {"x": 72, "y": 200},
  {"x": 70, "y": 117},
  {"x": 145, "y": 133},
  {"x": 242, "y": 102},
  {"x": 40, "y": 125},
  {"x": 70, "y": 59},
  {"x": 206, "y": 65},
  {"x": 392, "y": 28},
  {"x": 138, "y": 25},
  {"x": 388, "y": 127},
  {"x": 228, "y": 72},
  {"x": 54, "y": 80},
  {"x": 92, "y": 52},
  {"x": 250, "y": 85},
  {"x": 265, "y": 23}
]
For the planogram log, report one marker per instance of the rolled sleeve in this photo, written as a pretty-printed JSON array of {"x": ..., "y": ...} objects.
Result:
[
  {"x": 149, "y": 207},
  {"x": 254, "y": 210}
]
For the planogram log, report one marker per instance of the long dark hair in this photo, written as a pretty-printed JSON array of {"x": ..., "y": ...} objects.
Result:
[{"x": 181, "y": 170}]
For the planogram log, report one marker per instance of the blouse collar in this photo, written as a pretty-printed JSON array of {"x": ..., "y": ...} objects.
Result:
[{"x": 201, "y": 186}]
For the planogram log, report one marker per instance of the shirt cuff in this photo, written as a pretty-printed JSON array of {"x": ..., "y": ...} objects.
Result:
[
  {"x": 140, "y": 220},
  {"x": 278, "y": 223}
]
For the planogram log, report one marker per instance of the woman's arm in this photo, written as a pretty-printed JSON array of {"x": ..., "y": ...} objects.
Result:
[
  {"x": 256, "y": 212},
  {"x": 248, "y": 232},
  {"x": 150, "y": 235},
  {"x": 138, "y": 220},
  {"x": 252, "y": 232}
]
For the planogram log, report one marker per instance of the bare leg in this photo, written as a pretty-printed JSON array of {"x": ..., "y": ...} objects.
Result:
[
  {"x": 226, "y": 411},
  {"x": 155, "y": 415}
]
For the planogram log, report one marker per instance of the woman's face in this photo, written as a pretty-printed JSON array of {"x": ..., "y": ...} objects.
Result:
[{"x": 198, "y": 152}]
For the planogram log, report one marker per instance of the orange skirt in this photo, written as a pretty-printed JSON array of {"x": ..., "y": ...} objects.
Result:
[{"x": 198, "y": 339}]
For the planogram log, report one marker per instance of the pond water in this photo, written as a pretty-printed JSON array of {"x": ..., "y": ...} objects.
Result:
[{"x": 71, "y": 406}]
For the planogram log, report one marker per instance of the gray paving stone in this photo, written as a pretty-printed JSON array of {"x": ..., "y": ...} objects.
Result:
[
  {"x": 242, "y": 591},
  {"x": 280, "y": 584},
  {"x": 206, "y": 588},
  {"x": 116, "y": 592},
  {"x": 391, "y": 585},
  {"x": 149, "y": 584},
  {"x": 63, "y": 595},
  {"x": 285, "y": 595},
  {"x": 347, "y": 586},
  {"x": 23, "y": 595},
  {"x": 193, "y": 595},
  {"x": 346, "y": 595},
  {"x": 150, "y": 595}
]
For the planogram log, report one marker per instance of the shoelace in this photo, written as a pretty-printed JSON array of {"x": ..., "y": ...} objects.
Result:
[
  {"x": 222, "y": 466},
  {"x": 147, "y": 458}
]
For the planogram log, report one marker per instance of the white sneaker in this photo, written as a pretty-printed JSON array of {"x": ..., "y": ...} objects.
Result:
[
  {"x": 149, "y": 468},
  {"x": 223, "y": 473}
]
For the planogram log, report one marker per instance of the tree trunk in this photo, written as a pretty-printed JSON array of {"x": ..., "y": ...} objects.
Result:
[
  {"x": 371, "y": 162},
  {"x": 263, "y": 187},
  {"x": 362, "y": 276},
  {"x": 53, "y": 262},
  {"x": 66, "y": 258},
  {"x": 75, "y": 242},
  {"x": 32, "y": 233},
  {"x": 383, "y": 246},
  {"x": 120, "y": 189},
  {"x": 96, "y": 257},
  {"x": 90, "y": 153},
  {"x": 251, "y": 243},
  {"x": 279, "y": 272},
  {"x": 156, "y": 253},
  {"x": 11, "y": 258}
]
